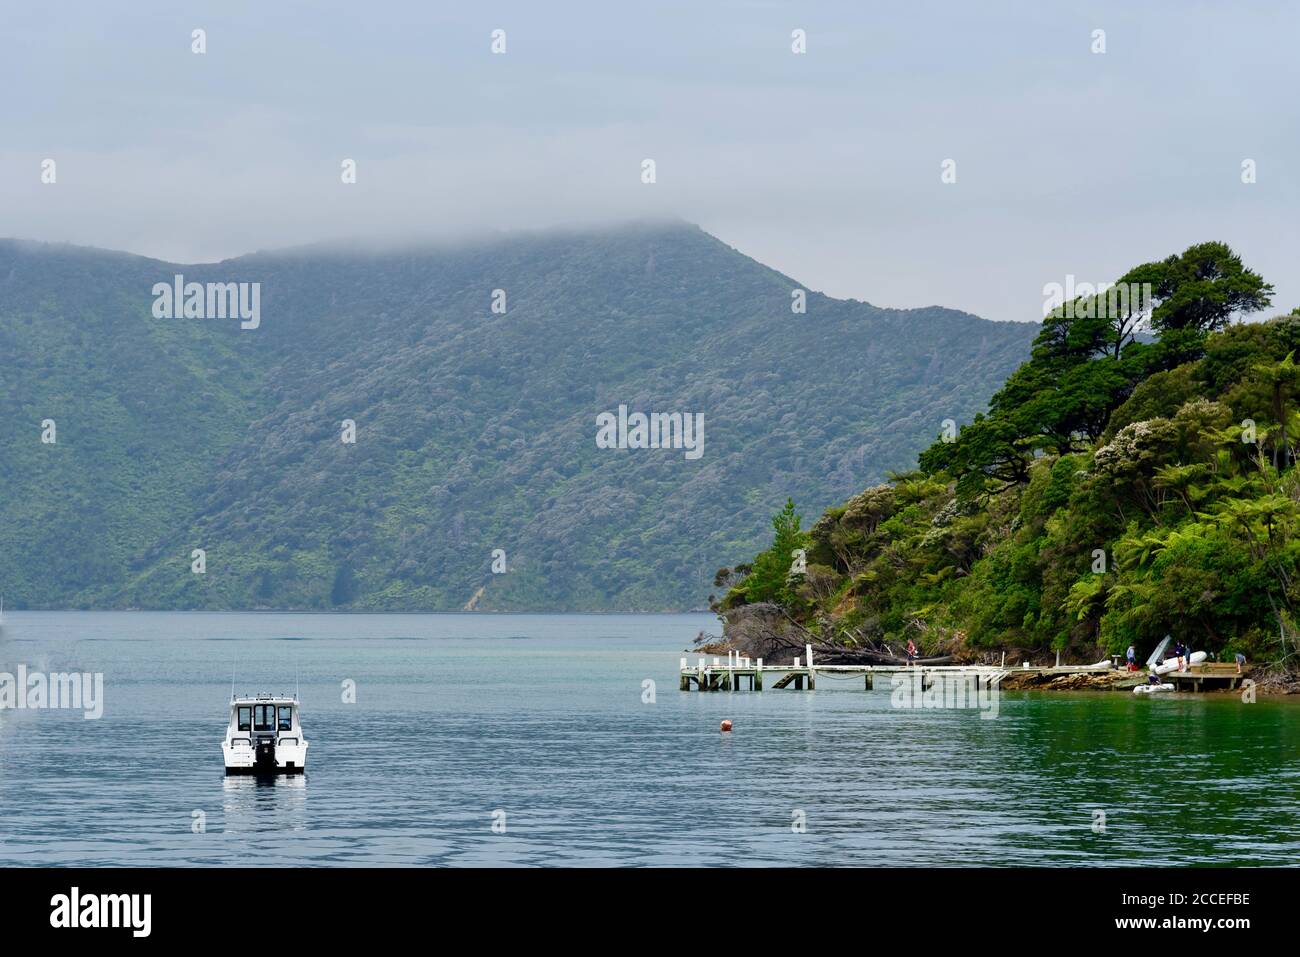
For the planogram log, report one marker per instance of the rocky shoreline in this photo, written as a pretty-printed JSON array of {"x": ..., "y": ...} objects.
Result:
[{"x": 764, "y": 631}]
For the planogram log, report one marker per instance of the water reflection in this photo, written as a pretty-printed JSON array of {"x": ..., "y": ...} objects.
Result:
[{"x": 263, "y": 802}]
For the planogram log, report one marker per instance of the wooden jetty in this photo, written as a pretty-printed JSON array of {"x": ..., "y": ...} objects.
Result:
[
  {"x": 735, "y": 672},
  {"x": 1207, "y": 675}
]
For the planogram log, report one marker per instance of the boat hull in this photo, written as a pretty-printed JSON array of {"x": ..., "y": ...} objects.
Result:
[
  {"x": 285, "y": 758},
  {"x": 1171, "y": 664},
  {"x": 264, "y": 771}
]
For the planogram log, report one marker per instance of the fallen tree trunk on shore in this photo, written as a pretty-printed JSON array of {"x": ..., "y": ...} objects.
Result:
[{"x": 835, "y": 655}]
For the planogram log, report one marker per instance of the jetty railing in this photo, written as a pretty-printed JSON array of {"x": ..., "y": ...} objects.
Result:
[{"x": 737, "y": 671}]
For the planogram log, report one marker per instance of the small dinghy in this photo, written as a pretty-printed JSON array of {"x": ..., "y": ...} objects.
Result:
[
  {"x": 264, "y": 736},
  {"x": 1152, "y": 689}
]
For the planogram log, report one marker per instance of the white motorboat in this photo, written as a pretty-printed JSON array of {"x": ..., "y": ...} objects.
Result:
[{"x": 264, "y": 736}]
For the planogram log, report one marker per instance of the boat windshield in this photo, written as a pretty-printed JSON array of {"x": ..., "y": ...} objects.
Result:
[{"x": 264, "y": 717}]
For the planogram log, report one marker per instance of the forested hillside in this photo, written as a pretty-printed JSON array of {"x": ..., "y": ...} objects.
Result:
[
  {"x": 1134, "y": 478},
  {"x": 475, "y": 429}
]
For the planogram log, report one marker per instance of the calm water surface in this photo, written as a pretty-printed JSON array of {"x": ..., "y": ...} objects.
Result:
[{"x": 541, "y": 717}]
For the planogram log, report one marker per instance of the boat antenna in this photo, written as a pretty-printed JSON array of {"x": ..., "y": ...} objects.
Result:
[{"x": 232, "y": 681}]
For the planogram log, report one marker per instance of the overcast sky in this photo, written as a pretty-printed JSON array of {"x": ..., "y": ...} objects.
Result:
[{"x": 824, "y": 165}]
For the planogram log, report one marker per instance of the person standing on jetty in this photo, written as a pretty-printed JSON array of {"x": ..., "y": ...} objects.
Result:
[
  {"x": 1179, "y": 652},
  {"x": 911, "y": 651},
  {"x": 1132, "y": 658}
]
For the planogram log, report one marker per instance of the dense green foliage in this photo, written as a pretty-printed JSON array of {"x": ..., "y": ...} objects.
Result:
[
  {"x": 1118, "y": 490},
  {"x": 773, "y": 575},
  {"x": 475, "y": 430}
]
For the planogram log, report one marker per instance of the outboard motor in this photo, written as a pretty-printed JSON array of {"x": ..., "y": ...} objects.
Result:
[{"x": 265, "y": 760}]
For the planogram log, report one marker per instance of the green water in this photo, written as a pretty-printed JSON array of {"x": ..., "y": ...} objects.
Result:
[{"x": 1182, "y": 779}]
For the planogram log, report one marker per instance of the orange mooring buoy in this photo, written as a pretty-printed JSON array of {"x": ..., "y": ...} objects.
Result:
[{"x": 726, "y": 725}]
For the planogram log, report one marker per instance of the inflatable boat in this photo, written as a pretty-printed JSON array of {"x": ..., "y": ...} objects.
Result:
[
  {"x": 1152, "y": 689},
  {"x": 1171, "y": 664}
]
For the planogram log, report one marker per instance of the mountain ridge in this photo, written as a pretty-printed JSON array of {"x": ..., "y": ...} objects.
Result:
[{"x": 475, "y": 431}]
